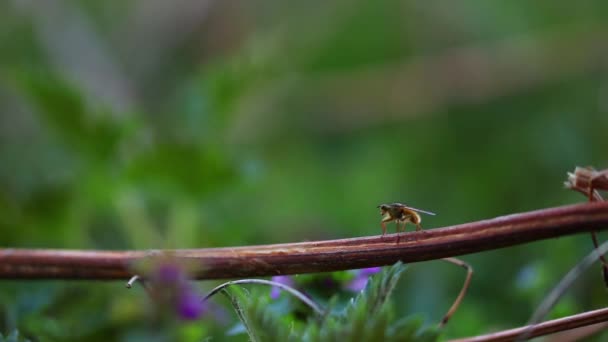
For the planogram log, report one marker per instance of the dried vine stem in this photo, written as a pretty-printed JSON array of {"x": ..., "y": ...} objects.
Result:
[
  {"x": 544, "y": 328},
  {"x": 316, "y": 256},
  {"x": 588, "y": 181},
  {"x": 564, "y": 284}
]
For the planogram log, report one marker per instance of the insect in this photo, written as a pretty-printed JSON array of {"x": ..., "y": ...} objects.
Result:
[{"x": 400, "y": 213}]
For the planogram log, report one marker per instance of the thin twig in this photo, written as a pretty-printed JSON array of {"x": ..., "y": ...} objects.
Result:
[
  {"x": 535, "y": 329},
  {"x": 587, "y": 181},
  {"x": 137, "y": 278},
  {"x": 562, "y": 286},
  {"x": 287, "y": 288},
  {"x": 131, "y": 281},
  {"x": 544, "y": 328},
  {"x": 315, "y": 256},
  {"x": 463, "y": 291}
]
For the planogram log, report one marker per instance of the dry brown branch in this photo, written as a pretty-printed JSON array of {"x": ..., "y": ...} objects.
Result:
[
  {"x": 463, "y": 290},
  {"x": 545, "y": 328},
  {"x": 588, "y": 181},
  {"x": 315, "y": 256}
]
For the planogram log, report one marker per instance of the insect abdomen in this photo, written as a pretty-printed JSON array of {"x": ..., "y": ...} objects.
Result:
[{"x": 414, "y": 217}]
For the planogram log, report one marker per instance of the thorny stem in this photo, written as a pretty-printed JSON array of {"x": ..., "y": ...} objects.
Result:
[
  {"x": 287, "y": 288},
  {"x": 314, "y": 256}
]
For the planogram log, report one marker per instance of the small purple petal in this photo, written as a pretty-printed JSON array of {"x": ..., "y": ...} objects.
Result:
[
  {"x": 357, "y": 284},
  {"x": 190, "y": 306},
  {"x": 360, "y": 280},
  {"x": 369, "y": 271},
  {"x": 285, "y": 280}
]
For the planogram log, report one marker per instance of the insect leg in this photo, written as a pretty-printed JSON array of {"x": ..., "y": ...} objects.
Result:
[
  {"x": 463, "y": 291},
  {"x": 401, "y": 226},
  {"x": 397, "y": 229},
  {"x": 383, "y": 223},
  {"x": 404, "y": 221}
]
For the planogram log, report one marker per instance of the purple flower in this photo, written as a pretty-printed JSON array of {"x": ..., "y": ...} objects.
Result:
[
  {"x": 369, "y": 271},
  {"x": 285, "y": 280},
  {"x": 361, "y": 278},
  {"x": 189, "y": 305},
  {"x": 174, "y": 290}
]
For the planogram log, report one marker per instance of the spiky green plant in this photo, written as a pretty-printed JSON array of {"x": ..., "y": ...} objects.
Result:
[{"x": 369, "y": 316}]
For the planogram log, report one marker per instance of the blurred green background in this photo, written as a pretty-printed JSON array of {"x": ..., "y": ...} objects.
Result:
[{"x": 185, "y": 124}]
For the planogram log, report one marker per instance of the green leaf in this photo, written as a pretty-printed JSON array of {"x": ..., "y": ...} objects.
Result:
[
  {"x": 64, "y": 109},
  {"x": 368, "y": 317},
  {"x": 260, "y": 322},
  {"x": 377, "y": 291},
  {"x": 13, "y": 337},
  {"x": 235, "y": 295},
  {"x": 406, "y": 328},
  {"x": 411, "y": 328}
]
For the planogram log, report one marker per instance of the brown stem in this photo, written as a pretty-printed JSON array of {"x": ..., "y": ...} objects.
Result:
[
  {"x": 315, "y": 256},
  {"x": 545, "y": 328},
  {"x": 587, "y": 180},
  {"x": 463, "y": 291}
]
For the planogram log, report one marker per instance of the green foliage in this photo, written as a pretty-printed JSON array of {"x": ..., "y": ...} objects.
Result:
[
  {"x": 134, "y": 125},
  {"x": 92, "y": 132},
  {"x": 13, "y": 337},
  {"x": 369, "y": 316},
  {"x": 260, "y": 323}
]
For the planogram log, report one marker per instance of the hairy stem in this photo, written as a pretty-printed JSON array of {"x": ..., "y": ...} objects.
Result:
[{"x": 314, "y": 256}]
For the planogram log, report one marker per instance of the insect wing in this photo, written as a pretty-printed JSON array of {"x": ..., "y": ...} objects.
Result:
[{"x": 420, "y": 210}]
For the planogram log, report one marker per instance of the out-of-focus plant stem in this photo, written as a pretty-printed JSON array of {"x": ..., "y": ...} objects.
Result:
[
  {"x": 314, "y": 256},
  {"x": 544, "y": 328}
]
